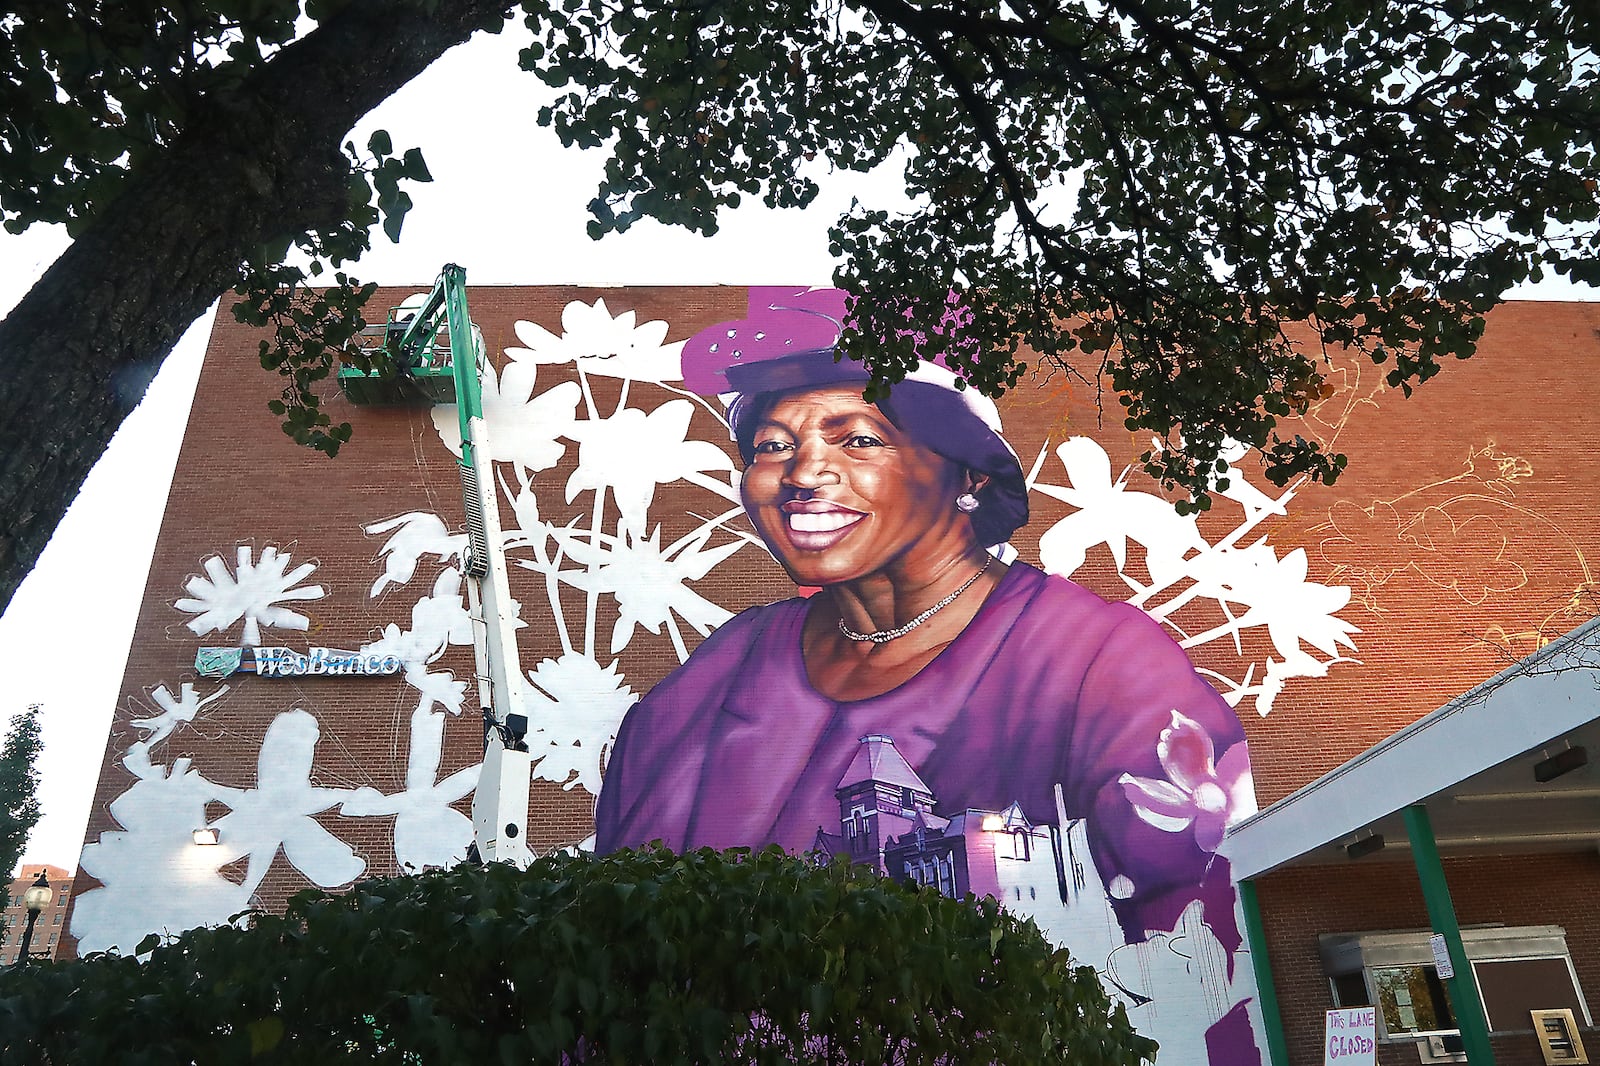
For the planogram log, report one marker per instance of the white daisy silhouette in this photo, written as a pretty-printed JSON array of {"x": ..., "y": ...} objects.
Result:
[
  {"x": 651, "y": 583},
  {"x": 575, "y": 707},
  {"x": 412, "y": 535},
  {"x": 251, "y": 592},
  {"x": 523, "y": 428}
]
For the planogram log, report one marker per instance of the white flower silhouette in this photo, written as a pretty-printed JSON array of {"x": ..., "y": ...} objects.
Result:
[
  {"x": 441, "y": 688},
  {"x": 599, "y": 344},
  {"x": 1185, "y": 568},
  {"x": 139, "y": 864},
  {"x": 428, "y": 830},
  {"x": 278, "y": 812},
  {"x": 530, "y": 532},
  {"x": 251, "y": 592},
  {"x": 1277, "y": 595},
  {"x": 1257, "y": 504},
  {"x": 632, "y": 452},
  {"x": 1110, "y": 514},
  {"x": 173, "y": 711},
  {"x": 418, "y": 533},
  {"x": 574, "y": 707},
  {"x": 650, "y": 584},
  {"x": 1279, "y": 673},
  {"x": 523, "y": 428},
  {"x": 437, "y": 621}
]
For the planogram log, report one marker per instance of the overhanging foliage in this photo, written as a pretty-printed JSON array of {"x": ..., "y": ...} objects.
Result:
[
  {"x": 639, "y": 957},
  {"x": 1146, "y": 192},
  {"x": 1145, "y": 189}
]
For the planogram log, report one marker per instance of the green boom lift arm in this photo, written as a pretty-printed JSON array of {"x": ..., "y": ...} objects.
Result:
[{"x": 500, "y": 803}]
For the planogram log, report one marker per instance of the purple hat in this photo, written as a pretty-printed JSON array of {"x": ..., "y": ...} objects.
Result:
[{"x": 789, "y": 341}]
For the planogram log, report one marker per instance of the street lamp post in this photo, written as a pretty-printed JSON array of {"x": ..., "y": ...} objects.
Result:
[{"x": 34, "y": 899}]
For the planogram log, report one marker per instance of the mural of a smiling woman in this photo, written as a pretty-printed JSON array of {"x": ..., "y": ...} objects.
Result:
[{"x": 996, "y": 682}]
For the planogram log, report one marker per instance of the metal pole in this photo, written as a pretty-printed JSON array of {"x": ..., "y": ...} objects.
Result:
[
  {"x": 1266, "y": 991},
  {"x": 1442, "y": 917},
  {"x": 27, "y": 937}
]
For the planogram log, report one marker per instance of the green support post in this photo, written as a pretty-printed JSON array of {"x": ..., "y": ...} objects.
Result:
[
  {"x": 1442, "y": 917},
  {"x": 1266, "y": 992}
]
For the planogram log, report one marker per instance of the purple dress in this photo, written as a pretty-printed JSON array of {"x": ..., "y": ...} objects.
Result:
[{"x": 1048, "y": 683}]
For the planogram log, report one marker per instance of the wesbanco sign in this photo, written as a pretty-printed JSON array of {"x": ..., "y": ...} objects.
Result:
[{"x": 286, "y": 662}]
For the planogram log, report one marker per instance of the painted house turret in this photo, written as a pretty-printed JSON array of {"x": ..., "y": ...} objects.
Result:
[{"x": 880, "y": 797}]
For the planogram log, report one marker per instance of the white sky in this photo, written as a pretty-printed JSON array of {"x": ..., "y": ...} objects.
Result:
[{"x": 508, "y": 204}]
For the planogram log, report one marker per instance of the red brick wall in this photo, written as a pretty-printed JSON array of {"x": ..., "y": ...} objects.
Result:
[
  {"x": 1489, "y": 467},
  {"x": 49, "y": 929},
  {"x": 1535, "y": 540},
  {"x": 240, "y": 480},
  {"x": 1298, "y": 905}
]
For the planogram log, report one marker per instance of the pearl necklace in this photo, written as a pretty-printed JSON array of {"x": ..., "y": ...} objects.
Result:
[{"x": 883, "y": 636}]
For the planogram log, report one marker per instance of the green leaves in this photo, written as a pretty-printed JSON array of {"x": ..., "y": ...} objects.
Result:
[
  {"x": 385, "y": 173},
  {"x": 90, "y": 93},
  {"x": 1192, "y": 203},
  {"x": 1197, "y": 204},
  {"x": 645, "y": 956},
  {"x": 313, "y": 330},
  {"x": 19, "y": 785}
]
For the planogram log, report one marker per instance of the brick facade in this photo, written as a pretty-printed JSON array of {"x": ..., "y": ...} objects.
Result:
[
  {"x": 49, "y": 930},
  {"x": 1299, "y": 904},
  {"x": 1465, "y": 528}
]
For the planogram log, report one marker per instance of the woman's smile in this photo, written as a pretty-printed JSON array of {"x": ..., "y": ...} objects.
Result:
[{"x": 816, "y": 525}]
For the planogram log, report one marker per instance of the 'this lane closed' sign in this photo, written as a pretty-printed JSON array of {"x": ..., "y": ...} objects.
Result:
[{"x": 1351, "y": 1037}]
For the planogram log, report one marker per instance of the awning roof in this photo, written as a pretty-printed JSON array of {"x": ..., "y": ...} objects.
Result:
[{"x": 1471, "y": 761}]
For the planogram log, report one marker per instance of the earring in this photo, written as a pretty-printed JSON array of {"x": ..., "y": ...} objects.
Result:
[{"x": 966, "y": 503}]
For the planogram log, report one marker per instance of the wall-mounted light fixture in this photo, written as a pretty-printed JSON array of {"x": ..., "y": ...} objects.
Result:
[
  {"x": 1363, "y": 846},
  {"x": 207, "y": 836},
  {"x": 1562, "y": 762}
]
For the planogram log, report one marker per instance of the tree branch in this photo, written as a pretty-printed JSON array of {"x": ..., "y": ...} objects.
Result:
[{"x": 258, "y": 162}]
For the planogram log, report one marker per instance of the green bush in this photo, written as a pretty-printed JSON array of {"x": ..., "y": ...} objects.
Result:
[{"x": 639, "y": 957}]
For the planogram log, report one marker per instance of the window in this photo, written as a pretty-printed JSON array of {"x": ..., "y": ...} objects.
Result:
[
  {"x": 1350, "y": 990},
  {"x": 857, "y": 828},
  {"x": 1517, "y": 969},
  {"x": 1412, "y": 999}
]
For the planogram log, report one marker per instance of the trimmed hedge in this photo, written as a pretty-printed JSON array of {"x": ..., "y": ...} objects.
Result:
[{"x": 639, "y": 957}]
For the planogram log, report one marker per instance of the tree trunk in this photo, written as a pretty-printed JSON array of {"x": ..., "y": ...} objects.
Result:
[{"x": 262, "y": 162}]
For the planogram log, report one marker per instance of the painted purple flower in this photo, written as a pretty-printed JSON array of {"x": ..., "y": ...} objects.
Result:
[{"x": 1200, "y": 790}]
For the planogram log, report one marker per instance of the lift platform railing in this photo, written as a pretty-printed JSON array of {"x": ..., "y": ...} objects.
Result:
[{"x": 416, "y": 342}]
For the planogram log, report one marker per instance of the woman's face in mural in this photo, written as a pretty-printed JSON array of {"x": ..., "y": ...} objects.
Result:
[{"x": 838, "y": 492}]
